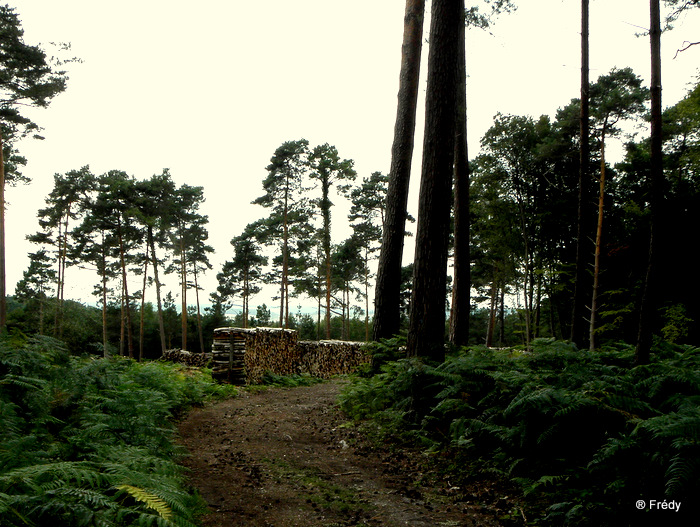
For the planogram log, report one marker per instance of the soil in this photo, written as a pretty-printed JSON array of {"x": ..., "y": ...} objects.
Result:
[{"x": 287, "y": 457}]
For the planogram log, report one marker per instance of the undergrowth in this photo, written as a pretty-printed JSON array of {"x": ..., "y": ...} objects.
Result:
[
  {"x": 584, "y": 435},
  {"x": 89, "y": 442}
]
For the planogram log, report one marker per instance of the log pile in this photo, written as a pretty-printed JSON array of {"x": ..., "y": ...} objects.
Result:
[
  {"x": 326, "y": 358},
  {"x": 271, "y": 349},
  {"x": 185, "y": 357},
  {"x": 242, "y": 356},
  {"x": 228, "y": 354}
]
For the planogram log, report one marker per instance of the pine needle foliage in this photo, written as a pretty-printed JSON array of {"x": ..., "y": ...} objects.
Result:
[
  {"x": 588, "y": 434},
  {"x": 88, "y": 442}
]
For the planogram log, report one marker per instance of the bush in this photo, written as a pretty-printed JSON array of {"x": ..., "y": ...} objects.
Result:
[{"x": 586, "y": 432}]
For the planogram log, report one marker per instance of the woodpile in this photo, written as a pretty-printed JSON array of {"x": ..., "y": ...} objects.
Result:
[
  {"x": 243, "y": 356},
  {"x": 228, "y": 354},
  {"x": 185, "y": 357},
  {"x": 271, "y": 349},
  {"x": 326, "y": 358}
]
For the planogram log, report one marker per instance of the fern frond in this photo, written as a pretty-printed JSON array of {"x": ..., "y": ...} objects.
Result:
[{"x": 151, "y": 500}]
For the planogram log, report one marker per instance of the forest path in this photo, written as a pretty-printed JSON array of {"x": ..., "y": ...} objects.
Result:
[{"x": 282, "y": 457}]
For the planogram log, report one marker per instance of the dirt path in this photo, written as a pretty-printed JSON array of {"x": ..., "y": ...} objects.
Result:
[{"x": 281, "y": 457}]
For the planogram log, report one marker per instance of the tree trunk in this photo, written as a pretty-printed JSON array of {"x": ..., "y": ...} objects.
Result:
[
  {"x": 492, "y": 315},
  {"x": 579, "y": 299},
  {"x": 143, "y": 304},
  {"x": 105, "y": 353},
  {"x": 598, "y": 240},
  {"x": 125, "y": 292},
  {"x": 285, "y": 256},
  {"x": 3, "y": 285},
  {"x": 161, "y": 323},
  {"x": 366, "y": 294},
  {"x": 183, "y": 288},
  {"x": 387, "y": 315},
  {"x": 199, "y": 314},
  {"x": 461, "y": 287},
  {"x": 650, "y": 296},
  {"x": 502, "y": 318},
  {"x": 326, "y": 212},
  {"x": 427, "y": 321}
]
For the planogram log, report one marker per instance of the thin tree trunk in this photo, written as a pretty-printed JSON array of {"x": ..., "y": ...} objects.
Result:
[
  {"x": 502, "y": 318},
  {"x": 63, "y": 258},
  {"x": 366, "y": 294},
  {"x": 105, "y": 353},
  {"x": 326, "y": 211},
  {"x": 538, "y": 306},
  {"x": 285, "y": 255},
  {"x": 122, "y": 325},
  {"x": 161, "y": 323},
  {"x": 461, "y": 287},
  {"x": 3, "y": 285},
  {"x": 579, "y": 299},
  {"x": 183, "y": 282},
  {"x": 492, "y": 315},
  {"x": 125, "y": 290},
  {"x": 199, "y": 314},
  {"x": 427, "y": 321},
  {"x": 650, "y": 295},
  {"x": 598, "y": 240},
  {"x": 143, "y": 304},
  {"x": 387, "y": 315},
  {"x": 59, "y": 280}
]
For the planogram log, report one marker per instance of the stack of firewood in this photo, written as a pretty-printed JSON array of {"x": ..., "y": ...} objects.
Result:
[
  {"x": 271, "y": 349},
  {"x": 228, "y": 354},
  {"x": 326, "y": 358},
  {"x": 185, "y": 357}
]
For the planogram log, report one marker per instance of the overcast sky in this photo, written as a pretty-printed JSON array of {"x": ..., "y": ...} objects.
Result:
[{"x": 210, "y": 89}]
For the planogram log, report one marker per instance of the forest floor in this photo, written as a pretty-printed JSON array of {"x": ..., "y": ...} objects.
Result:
[{"x": 287, "y": 457}]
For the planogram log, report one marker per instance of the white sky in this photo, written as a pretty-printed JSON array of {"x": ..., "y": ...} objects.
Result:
[{"x": 211, "y": 89}]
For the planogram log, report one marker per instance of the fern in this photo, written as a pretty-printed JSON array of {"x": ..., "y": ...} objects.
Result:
[{"x": 151, "y": 500}]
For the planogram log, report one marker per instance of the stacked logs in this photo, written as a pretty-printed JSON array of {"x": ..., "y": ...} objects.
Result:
[
  {"x": 326, "y": 358},
  {"x": 242, "y": 356},
  {"x": 271, "y": 349},
  {"x": 185, "y": 357},
  {"x": 228, "y": 354}
]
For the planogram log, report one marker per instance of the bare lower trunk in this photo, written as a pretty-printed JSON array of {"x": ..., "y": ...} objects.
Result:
[
  {"x": 3, "y": 289},
  {"x": 161, "y": 323},
  {"x": 199, "y": 314},
  {"x": 598, "y": 240},
  {"x": 143, "y": 305},
  {"x": 427, "y": 321},
  {"x": 650, "y": 294},
  {"x": 183, "y": 283},
  {"x": 461, "y": 287},
  {"x": 387, "y": 315},
  {"x": 579, "y": 300}
]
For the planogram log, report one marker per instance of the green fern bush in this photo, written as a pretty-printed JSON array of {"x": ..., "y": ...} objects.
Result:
[
  {"x": 88, "y": 442},
  {"x": 587, "y": 434}
]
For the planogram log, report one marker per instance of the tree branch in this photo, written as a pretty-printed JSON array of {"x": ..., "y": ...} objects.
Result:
[{"x": 687, "y": 45}]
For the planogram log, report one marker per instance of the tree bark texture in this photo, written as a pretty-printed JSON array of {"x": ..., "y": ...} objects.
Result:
[
  {"x": 579, "y": 301},
  {"x": 461, "y": 287},
  {"x": 387, "y": 290},
  {"x": 427, "y": 320},
  {"x": 650, "y": 295},
  {"x": 3, "y": 286}
]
